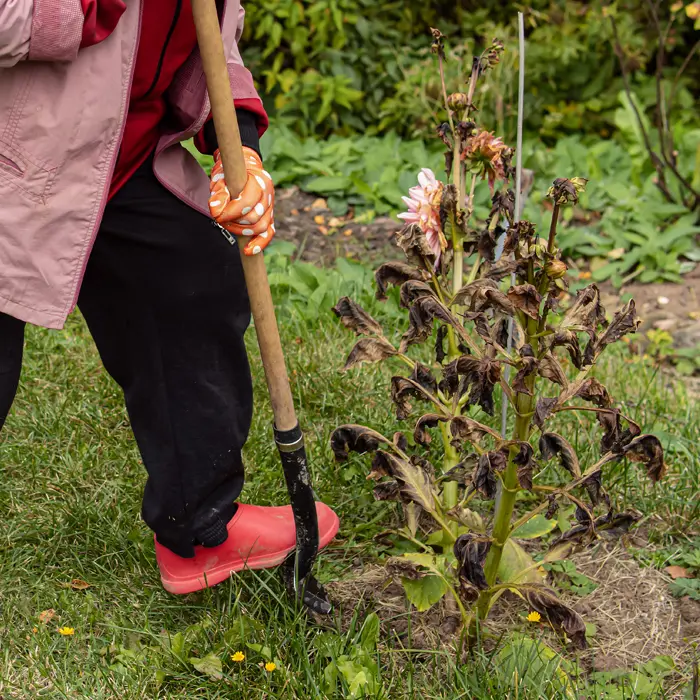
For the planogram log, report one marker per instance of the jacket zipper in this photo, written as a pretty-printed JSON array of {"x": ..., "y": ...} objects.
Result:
[{"x": 171, "y": 31}]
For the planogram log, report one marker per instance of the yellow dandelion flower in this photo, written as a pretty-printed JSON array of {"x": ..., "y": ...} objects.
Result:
[
  {"x": 534, "y": 616},
  {"x": 270, "y": 666},
  {"x": 66, "y": 631},
  {"x": 238, "y": 657}
]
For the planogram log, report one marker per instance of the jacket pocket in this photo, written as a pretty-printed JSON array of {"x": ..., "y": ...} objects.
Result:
[
  {"x": 24, "y": 175},
  {"x": 27, "y": 156}
]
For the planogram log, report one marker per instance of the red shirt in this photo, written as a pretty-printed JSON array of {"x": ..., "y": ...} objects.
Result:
[{"x": 167, "y": 39}]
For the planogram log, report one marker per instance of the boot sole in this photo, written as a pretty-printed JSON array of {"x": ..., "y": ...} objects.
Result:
[{"x": 181, "y": 585}]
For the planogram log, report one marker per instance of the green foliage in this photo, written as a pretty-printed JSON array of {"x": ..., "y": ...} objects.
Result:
[
  {"x": 686, "y": 587},
  {"x": 570, "y": 579},
  {"x": 352, "y": 662},
  {"x": 364, "y": 172},
  {"x": 645, "y": 682},
  {"x": 537, "y": 664},
  {"x": 343, "y": 66}
]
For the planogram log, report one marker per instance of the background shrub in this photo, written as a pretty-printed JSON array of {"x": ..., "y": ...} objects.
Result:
[{"x": 346, "y": 66}]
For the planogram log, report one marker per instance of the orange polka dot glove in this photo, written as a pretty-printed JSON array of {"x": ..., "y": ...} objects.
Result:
[{"x": 251, "y": 213}]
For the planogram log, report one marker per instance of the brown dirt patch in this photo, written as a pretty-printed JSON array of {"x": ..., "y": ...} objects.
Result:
[
  {"x": 635, "y": 616},
  {"x": 321, "y": 237}
]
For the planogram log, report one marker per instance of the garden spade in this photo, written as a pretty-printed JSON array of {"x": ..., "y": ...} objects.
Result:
[{"x": 297, "y": 569}]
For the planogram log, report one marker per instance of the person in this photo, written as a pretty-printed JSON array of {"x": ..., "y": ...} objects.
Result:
[{"x": 101, "y": 207}]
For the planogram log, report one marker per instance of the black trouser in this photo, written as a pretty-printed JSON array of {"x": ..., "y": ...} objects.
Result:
[{"x": 165, "y": 301}]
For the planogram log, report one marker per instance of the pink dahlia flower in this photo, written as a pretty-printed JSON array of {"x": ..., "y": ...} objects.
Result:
[{"x": 423, "y": 205}]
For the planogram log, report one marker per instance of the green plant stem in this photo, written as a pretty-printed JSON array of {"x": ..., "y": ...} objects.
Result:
[
  {"x": 553, "y": 228},
  {"x": 524, "y": 406},
  {"x": 450, "y": 489},
  {"x": 475, "y": 269}
]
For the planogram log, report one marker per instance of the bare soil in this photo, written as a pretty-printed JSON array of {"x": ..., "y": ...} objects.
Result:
[{"x": 636, "y": 619}]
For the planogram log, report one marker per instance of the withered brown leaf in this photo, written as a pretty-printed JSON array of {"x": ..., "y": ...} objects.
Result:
[
  {"x": 568, "y": 340},
  {"x": 470, "y": 550},
  {"x": 402, "y": 388},
  {"x": 614, "y": 437},
  {"x": 592, "y": 390},
  {"x": 560, "y": 616},
  {"x": 625, "y": 321},
  {"x": 440, "y": 353},
  {"x": 525, "y": 463},
  {"x": 594, "y": 486},
  {"x": 647, "y": 450},
  {"x": 528, "y": 367},
  {"x": 503, "y": 204},
  {"x": 397, "y": 273},
  {"x": 483, "y": 294},
  {"x": 487, "y": 244},
  {"x": 465, "y": 428},
  {"x": 369, "y": 350},
  {"x": 423, "y": 375},
  {"x": 543, "y": 410},
  {"x": 400, "y": 441},
  {"x": 504, "y": 268},
  {"x": 387, "y": 491},
  {"x": 481, "y": 324},
  {"x": 484, "y": 479},
  {"x": 480, "y": 377},
  {"x": 420, "y": 320},
  {"x": 354, "y": 317},
  {"x": 552, "y": 507},
  {"x": 526, "y": 298},
  {"x": 412, "y": 290},
  {"x": 355, "y": 438},
  {"x": 414, "y": 244},
  {"x": 429, "y": 420},
  {"x": 553, "y": 444},
  {"x": 586, "y": 313},
  {"x": 549, "y": 368}
]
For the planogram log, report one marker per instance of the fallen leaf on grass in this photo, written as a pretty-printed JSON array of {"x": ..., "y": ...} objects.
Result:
[
  {"x": 320, "y": 219},
  {"x": 77, "y": 585},
  {"x": 45, "y": 616},
  {"x": 677, "y": 572},
  {"x": 347, "y": 232},
  {"x": 294, "y": 212},
  {"x": 319, "y": 203},
  {"x": 335, "y": 221},
  {"x": 323, "y": 230}
]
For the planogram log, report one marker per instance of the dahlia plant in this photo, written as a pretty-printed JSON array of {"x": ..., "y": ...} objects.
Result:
[{"x": 458, "y": 550}]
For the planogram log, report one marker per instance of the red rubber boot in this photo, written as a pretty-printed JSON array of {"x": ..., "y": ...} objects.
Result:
[{"x": 258, "y": 538}]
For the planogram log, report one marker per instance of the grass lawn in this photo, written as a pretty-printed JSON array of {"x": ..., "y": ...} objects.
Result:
[{"x": 70, "y": 498}]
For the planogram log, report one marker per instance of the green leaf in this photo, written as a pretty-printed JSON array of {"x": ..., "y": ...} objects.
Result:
[
  {"x": 327, "y": 184},
  {"x": 369, "y": 636},
  {"x": 178, "y": 644},
  {"x": 535, "y": 527},
  {"x": 424, "y": 592},
  {"x": 537, "y": 666},
  {"x": 686, "y": 586},
  {"x": 210, "y": 666},
  {"x": 516, "y": 560}
]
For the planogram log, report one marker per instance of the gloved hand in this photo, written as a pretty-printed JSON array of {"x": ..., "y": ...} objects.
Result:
[{"x": 251, "y": 213}]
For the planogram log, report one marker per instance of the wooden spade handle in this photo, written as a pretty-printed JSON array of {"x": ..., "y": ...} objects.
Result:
[{"x": 211, "y": 48}]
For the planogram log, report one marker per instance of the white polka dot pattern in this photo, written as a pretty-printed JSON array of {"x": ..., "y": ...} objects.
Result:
[{"x": 250, "y": 214}]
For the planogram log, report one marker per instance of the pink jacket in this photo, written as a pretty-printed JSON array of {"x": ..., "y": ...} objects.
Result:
[{"x": 62, "y": 113}]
